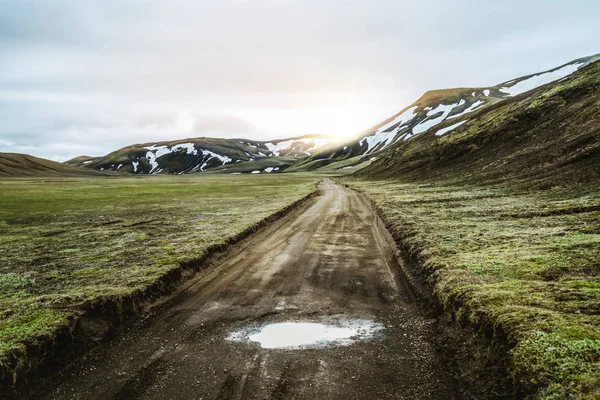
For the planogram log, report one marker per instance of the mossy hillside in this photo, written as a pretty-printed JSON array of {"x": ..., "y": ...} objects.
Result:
[
  {"x": 24, "y": 165},
  {"x": 526, "y": 264},
  {"x": 258, "y": 164},
  {"x": 68, "y": 243},
  {"x": 346, "y": 166},
  {"x": 337, "y": 168},
  {"x": 80, "y": 161},
  {"x": 430, "y": 100}
]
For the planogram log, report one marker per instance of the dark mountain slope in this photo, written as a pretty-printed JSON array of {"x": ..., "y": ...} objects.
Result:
[
  {"x": 548, "y": 137},
  {"x": 437, "y": 109}
]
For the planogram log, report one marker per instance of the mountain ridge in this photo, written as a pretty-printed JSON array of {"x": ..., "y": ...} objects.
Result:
[
  {"x": 545, "y": 138},
  {"x": 25, "y": 165},
  {"x": 204, "y": 154},
  {"x": 433, "y": 110}
]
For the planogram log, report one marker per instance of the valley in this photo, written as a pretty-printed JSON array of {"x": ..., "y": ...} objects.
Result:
[
  {"x": 329, "y": 261},
  {"x": 450, "y": 251}
]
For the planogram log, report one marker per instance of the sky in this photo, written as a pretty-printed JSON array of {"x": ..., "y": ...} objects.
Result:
[{"x": 80, "y": 77}]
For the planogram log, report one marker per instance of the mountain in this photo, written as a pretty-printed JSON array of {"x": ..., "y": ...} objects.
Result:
[
  {"x": 24, "y": 165},
  {"x": 438, "y": 110},
  {"x": 544, "y": 138},
  {"x": 207, "y": 154}
]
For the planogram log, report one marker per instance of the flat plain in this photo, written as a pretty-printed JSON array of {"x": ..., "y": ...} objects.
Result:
[{"x": 68, "y": 243}]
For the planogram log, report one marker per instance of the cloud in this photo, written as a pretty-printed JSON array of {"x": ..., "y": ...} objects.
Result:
[
  {"x": 107, "y": 74},
  {"x": 52, "y": 129},
  {"x": 225, "y": 126}
]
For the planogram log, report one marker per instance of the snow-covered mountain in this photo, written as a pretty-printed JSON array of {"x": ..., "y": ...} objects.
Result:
[
  {"x": 544, "y": 138},
  {"x": 440, "y": 110},
  {"x": 204, "y": 154}
]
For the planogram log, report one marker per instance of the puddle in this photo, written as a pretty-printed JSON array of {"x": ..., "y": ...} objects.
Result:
[{"x": 302, "y": 335}]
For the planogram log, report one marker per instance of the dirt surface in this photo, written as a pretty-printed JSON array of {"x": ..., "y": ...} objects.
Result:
[{"x": 330, "y": 260}]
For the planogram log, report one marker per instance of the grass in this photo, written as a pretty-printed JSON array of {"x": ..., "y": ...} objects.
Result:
[
  {"x": 526, "y": 263},
  {"x": 67, "y": 242}
]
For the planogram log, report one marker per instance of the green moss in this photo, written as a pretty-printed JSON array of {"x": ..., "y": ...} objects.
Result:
[
  {"x": 12, "y": 281},
  {"x": 27, "y": 328},
  {"x": 525, "y": 263},
  {"x": 70, "y": 251},
  {"x": 562, "y": 366}
]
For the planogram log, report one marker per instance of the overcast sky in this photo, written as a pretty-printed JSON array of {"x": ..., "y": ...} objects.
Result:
[{"x": 88, "y": 77}]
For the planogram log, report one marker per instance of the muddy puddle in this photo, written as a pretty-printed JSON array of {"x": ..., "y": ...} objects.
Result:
[{"x": 306, "y": 335}]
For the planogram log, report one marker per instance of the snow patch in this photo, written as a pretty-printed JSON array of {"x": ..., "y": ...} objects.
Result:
[
  {"x": 155, "y": 152},
  {"x": 381, "y": 136},
  {"x": 540, "y": 80},
  {"x": 256, "y": 172},
  {"x": 486, "y": 92},
  {"x": 269, "y": 169},
  {"x": 472, "y": 108},
  {"x": 135, "y": 165},
  {"x": 224, "y": 159},
  {"x": 445, "y": 109},
  {"x": 308, "y": 145}
]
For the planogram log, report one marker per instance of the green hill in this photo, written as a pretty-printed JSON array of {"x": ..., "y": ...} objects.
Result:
[{"x": 24, "y": 165}]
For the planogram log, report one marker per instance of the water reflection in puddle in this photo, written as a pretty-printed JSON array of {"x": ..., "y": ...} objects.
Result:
[{"x": 297, "y": 335}]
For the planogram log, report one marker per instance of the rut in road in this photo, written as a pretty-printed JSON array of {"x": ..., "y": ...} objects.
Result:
[{"x": 331, "y": 260}]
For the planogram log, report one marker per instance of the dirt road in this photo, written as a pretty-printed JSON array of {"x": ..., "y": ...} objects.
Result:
[{"x": 331, "y": 262}]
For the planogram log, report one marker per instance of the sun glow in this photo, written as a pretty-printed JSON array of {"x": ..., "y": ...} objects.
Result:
[{"x": 343, "y": 119}]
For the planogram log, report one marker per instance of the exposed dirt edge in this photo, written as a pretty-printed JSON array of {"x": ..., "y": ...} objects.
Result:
[
  {"x": 476, "y": 357},
  {"x": 102, "y": 318}
]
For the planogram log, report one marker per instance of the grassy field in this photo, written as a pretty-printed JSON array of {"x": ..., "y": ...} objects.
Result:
[
  {"x": 527, "y": 263},
  {"x": 68, "y": 242}
]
